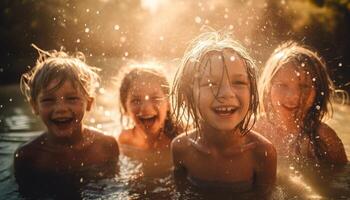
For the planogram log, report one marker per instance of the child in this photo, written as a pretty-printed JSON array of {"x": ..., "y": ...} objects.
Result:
[
  {"x": 216, "y": 87},
  {"x": 144, "y": 99},
  {"x": 60, "y": 90},
  {"x": 295, "y": 91}
]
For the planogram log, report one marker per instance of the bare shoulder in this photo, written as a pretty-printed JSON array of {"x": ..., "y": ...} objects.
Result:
[
  {"x": 125, "y": 137},
  {"x": 331, "y": 146},
  {"x": 326, "y": 132},
  {"x": 29, "y": 152},
  {"x": 106, "y": 142},
  {"x": 264, "y": 147},
  {"x": 182, "y": 141}
]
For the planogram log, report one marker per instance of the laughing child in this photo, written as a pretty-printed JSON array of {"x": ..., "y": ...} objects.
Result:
[
  {"x": 60, "y": 90},
  {"x": 216, "y": 88}
]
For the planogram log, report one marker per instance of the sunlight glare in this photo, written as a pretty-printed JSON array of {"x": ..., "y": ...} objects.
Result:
[{"x": 151, "y": 5}]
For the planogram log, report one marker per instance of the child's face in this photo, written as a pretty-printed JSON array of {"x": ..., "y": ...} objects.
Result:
[
  {"x": 63, "y": 109},
  {"x": 223, "y": 95},
  {"x": 292, "y": 93},
  {"x": 147, "y": 105}
]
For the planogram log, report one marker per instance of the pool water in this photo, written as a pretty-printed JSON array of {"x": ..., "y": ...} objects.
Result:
[{"x": 150, "y": 176}]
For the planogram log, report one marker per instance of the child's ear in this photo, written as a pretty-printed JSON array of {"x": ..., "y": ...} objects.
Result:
[
  {"x": 34, "y": 107},
  {"x": 90, "y": 100}
]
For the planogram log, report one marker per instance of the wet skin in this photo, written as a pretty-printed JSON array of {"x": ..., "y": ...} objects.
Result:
[
  {"x": 147, "y": 106},
  {"x": 292, "y": 95},
  {"x": 67, "y": 147},
  {"x": 218, "y": 151}
]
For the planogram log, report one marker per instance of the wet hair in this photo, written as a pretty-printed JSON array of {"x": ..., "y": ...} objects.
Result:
[
  {"x": 196, "y": 58},
  {"x": 58, "y": 65},
  {"x": 140, "y": 72},
  {"x": 309, "y": 61}
]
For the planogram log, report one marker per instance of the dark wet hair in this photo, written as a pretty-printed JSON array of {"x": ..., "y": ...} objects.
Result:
[
  {"x": 191, "y": 69},
  {"x": 58, "y": 65},
  {"x": 140, "y": 73}
]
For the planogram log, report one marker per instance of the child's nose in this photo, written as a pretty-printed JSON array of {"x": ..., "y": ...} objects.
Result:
[
  {"x": 293, "y": 96},
  {"x": 60, "y": 105},
  {"x": 226, "y": 90},
  {"x": 147, "y": 105}
]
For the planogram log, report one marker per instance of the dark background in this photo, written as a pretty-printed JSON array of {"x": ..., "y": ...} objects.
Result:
[{"x": 161, "y": 29}]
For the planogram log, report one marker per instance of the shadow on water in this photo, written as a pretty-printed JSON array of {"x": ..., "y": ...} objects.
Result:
[{"x": 150, "y": 176}]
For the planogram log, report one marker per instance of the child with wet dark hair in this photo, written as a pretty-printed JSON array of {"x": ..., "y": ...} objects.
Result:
[
  {"x": 60, "y": 89},
  {"x": 146, "y": 117},
  {"x": 295, "y": 94},
  {"x": 144, "y": 98},
  {"x": 215, "y": 87}
]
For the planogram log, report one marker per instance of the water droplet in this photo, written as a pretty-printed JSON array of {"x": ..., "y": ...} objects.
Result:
[
  {"x": 146, "y": 97},
  {"x": 16, "y": 155},
  {"x": 318, "y": 107},
  {"x": 88, "y": 10},
  {"x": 116, "y": 27},
  {"x": 78, "y": 40},
  {"x": 82, "y": 164},
  {"x": 122, "y": 39},
  {"x": 226, "y": 16},
  {"x": 232, "y": 58},
  {"x": 197, "y": 20},
  {"x": 298, "y": 74},
  {"x": 303, "y": 64},
  {"x": 340, "y": 64},
  {"x": 161, "y": 38},
  {"x": 126, "y": 54},
  {"x": 81, "y": 179},
  {"x": 210, "y": 85},
  {"x": 92, "y": 120},
  {"x": 230, "y": 27},
  {"x": 97, "y": 12},
  {"x": 87, "y": 30},
  {"x": 10, "y": 100},
  {"x": 313, "y": 79}
]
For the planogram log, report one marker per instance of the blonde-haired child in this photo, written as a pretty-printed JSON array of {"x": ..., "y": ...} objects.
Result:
[
  {"x": 60, "y": 89},
  {"x": 295, "y": 94},
  {"x": 216, "y": 88}
]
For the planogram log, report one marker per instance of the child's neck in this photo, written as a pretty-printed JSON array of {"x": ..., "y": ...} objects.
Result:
[
  {"x": 152, "y": 140},
  {"x": 221, "y": 139},
  {"x": 71, "y": 141}
]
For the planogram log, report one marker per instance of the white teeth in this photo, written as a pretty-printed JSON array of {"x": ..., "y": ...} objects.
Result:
[{"x": 225, "y": 109}]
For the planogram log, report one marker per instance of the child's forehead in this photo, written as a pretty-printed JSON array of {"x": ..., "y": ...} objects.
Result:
[
  {"x": 147, "y": 86},
  {"x": 56, "y": 84},
  {"x": 228, "y": 60},
  {"x": 293, "y": 71}
]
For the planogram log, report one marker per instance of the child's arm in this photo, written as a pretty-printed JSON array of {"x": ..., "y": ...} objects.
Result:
[
  {"x": 265, "y": 175},
  {"x": 331, "y": 147}
]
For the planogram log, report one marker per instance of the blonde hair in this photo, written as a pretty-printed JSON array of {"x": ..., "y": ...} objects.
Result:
[
  {"x": 308, "y": 60},
  {"x": 189, "y": 72},
  {"x": 60, "y": 66}
]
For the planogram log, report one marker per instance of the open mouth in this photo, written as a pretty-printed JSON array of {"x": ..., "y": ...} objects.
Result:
[
  {"x": 63, "y": 122},
  {"x": 225, "y": 110},
  {"x": 147, "y": 120}
]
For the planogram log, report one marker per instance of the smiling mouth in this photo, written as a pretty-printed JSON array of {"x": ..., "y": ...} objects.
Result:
[
  {"x": 63, "y": 122},
  {"x": 147, "y": 120},
  {"x": 225, "y": 110}
]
